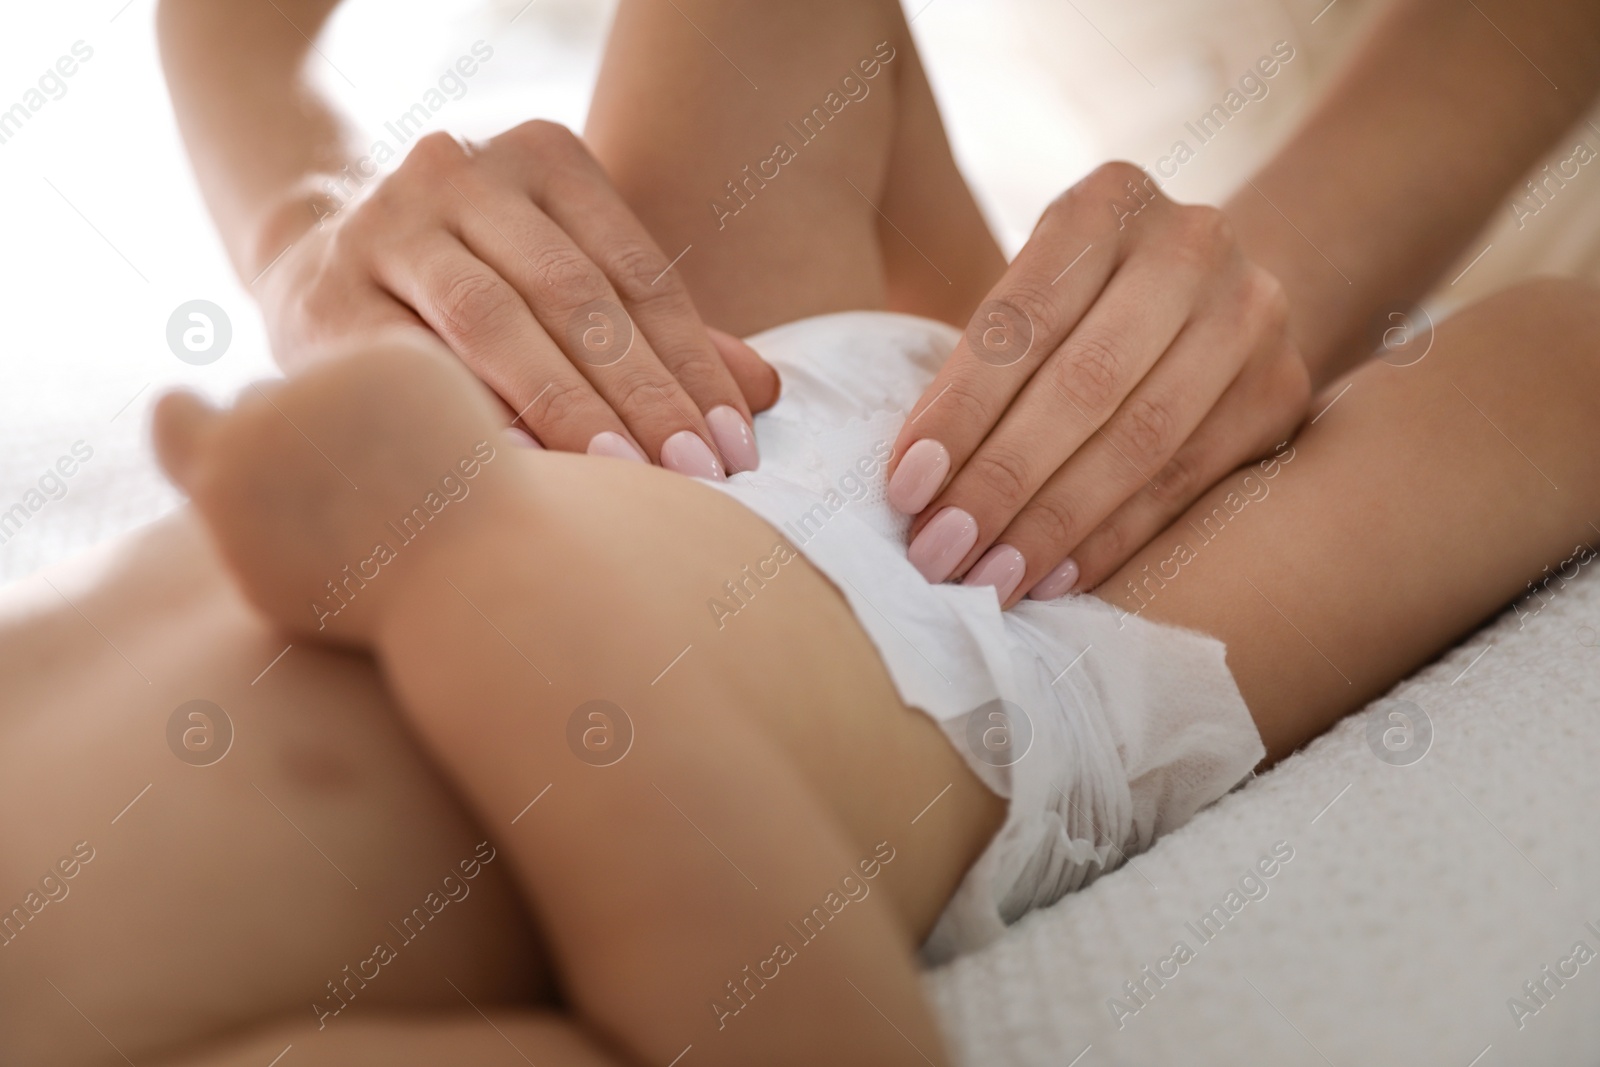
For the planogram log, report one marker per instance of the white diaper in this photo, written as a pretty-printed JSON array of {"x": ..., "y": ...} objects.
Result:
[{"x": 1102, "y": 729}]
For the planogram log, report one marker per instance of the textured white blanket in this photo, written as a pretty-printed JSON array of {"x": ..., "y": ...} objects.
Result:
[{"x": 1419, "y": 904}]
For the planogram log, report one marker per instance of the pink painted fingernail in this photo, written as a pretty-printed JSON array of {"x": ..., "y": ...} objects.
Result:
[
  {"x": 685, "y": 453},
  {"x": 522, "y": 438},
  {"x": 613, "y": 445},
  {"x": 735, "y": 439},
  {"x": 1058, "y": 582},
  {"x": 918, "y": 477},
  {"x": 943, "y": 543},
  {"x": 1002, "y": 567}
]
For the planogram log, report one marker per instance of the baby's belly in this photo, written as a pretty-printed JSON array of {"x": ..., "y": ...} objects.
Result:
[{"x": 166, "y": 877}]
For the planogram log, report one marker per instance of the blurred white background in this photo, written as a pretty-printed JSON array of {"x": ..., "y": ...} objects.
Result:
[{"x": 105, "y": 234}]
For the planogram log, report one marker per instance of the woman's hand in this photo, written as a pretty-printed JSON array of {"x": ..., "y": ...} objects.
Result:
[
  {"x": 1129, "y": 358},
  {"x": 523, "y": 258}
]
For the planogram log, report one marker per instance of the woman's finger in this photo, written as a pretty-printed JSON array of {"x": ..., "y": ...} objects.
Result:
[
  {"x": 757, "y": 379},
  {"x": 574, "y": 192},
  {"x": 1058, "y": 414},
  {"x": 1138, "y": 442},
  {"x": 1232, "y": 434},
  {"x": 1022, "y": 322},
  {"x": 577, "y": 308},
  {"x": 486, "y": 323}
]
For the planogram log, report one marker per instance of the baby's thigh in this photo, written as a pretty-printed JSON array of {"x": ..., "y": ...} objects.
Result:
[
  {"x": 793, "y": 659},
  {"x": 889, "y": 771},
  {"x": 1422, "y": 498}
]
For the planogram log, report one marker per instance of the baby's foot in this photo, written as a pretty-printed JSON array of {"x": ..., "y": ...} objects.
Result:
[{"x": 324, "y": 491}]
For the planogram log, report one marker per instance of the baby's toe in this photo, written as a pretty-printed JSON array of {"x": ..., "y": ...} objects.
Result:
[{"x": 181, "y": 421}]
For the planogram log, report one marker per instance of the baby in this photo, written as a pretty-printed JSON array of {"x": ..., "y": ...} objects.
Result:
[
  {"x": 406, "y": 745},
  {"x": 726, "y": 826}
]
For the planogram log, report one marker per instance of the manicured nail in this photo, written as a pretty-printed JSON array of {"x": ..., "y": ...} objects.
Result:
[
  {"x": 918, "y": 477},
  {"x": 685, "y": 453},
  {"x": 735, "y": 439},
  {"x": 943, "y": 543},
  {"x": 1002, "y": 567},
  {"x": 522, "y": 438},
  {"x": 1058, "y": 582},
  {"x": 613, "y": 445}
]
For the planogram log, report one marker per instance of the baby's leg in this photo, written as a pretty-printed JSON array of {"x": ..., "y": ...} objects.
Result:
[
  {"x": 1421, "y": 500},
  {"x": 726, "y": 851},
  {"x": 794, "y": 154}
]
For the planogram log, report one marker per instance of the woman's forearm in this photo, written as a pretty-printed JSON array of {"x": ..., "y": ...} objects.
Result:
[
  {"x": 1438, "y": 112},
  {"x": 258, "y": 133}
]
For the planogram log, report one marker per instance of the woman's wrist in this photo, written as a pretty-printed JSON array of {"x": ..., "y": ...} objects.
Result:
[
  {"x": 1326, "y": 315},
  {"x": 284, "y": 220}
]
